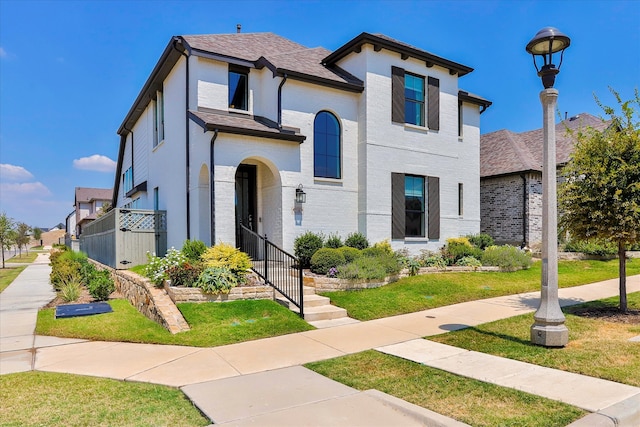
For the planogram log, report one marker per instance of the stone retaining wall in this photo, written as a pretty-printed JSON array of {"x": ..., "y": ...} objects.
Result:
[
  {"x": 181, "y": 294},
  {"x": 329, "y": 284},
  {"x": 154, "y": 303}
]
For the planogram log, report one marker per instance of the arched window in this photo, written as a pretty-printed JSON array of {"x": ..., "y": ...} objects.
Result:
[{"x": 326, "y": 146}]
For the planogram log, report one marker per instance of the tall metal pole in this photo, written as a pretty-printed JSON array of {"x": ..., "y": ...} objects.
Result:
[{"x": 548, "y": 328}]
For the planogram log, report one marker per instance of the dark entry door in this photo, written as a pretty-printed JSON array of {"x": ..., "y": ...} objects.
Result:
[{"x": 246, "y": 197}]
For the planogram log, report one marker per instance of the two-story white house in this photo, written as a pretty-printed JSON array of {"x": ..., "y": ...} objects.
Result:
[{"x": 376, "y": 135}]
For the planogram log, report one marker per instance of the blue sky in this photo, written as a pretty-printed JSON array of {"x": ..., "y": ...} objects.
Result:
[{"x": 70, "y": 70}]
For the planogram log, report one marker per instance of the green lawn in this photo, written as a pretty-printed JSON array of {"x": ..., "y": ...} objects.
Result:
[
  {"x": 24, "y": 258},
  {"x": 596, "y": 347},
  {"x": 50, "y": 399},
  {"x": 435, "y": 290},
  {"x": 8, "y": 274},
  {"x": 467, "y": 400},
  {"x": 212, "y": 324}
]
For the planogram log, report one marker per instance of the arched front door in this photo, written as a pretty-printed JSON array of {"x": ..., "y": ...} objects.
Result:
[{"x": 246, "y": 198}]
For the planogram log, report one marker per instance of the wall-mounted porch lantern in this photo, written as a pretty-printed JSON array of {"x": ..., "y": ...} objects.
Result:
[{"x": 301, "y": 196}]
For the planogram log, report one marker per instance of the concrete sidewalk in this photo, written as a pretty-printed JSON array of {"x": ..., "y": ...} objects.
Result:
[{"x": 267, "y": 369}]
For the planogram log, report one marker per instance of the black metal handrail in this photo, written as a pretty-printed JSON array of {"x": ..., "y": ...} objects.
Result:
[{"x": 276, "y": 267}]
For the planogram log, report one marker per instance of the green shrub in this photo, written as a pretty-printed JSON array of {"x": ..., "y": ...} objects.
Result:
[
  {"x": 350, "y": 253},
  {"x": 508, "y": 258},
  {"x": 326, "y": 258},
  {"x": 357, "y": 240},
  {"x": 469, "y": 261},
  {"x": 100, "y": 285},
  {"x": 370, "y": 268},
  {"x": 70, "y": 291},
  {"x": 413, "y": 265},
  {"x": 216, "y": 280},
  {"x": 384, "y": 246},
  {"x": 65, "y": 271},
  {"x": 334, "y": 241},
  {"x": 431, "y": 259},
  {"x": 156, "y": 267},
  {"x": 373, "y": 252},
  {"x": 481, "y": 241},
  {"x": 226, "y": 256},
  {"x": 193, "y": 249},
  {"x": 592, "y": 247},
  {"x": 458, "y": 248},
  {"x": 305, "y": 245},
  {"x": 185, "y": 274}
]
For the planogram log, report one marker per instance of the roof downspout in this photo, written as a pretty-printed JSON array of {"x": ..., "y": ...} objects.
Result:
[
  {"x": 284, "y": 79},
  {"x": 524, "y": 209},
  {"x": 212, "y": 188},
  {"x": 186, "y": 138}
]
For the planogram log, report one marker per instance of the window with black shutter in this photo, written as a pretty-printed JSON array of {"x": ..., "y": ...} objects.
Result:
[{"x": 408, "y": 103}]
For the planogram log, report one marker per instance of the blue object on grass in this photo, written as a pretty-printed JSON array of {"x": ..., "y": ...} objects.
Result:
[{"x": 75, "y": 310}]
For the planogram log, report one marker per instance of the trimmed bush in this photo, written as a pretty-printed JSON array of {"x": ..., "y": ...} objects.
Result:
[
  {"x": 226, "y": 256},
  {"x": 334, "y": 241},
  {"x": 325, "y": 259},
  {"x": 216, "y": 280},
  {"x": 480, "y": 241},
  {"x": 384, "y": 246},
  {"x": 357, "y": 240},
  {"x": 592, "y": 247},
  {"x": 185, "y": 274},
  {"x": 469, "y": 261},
  {"x": 350, "y": 253},
  {"x": 458, "y": 248},
  {"x": 305, "y": 245},
  {"x": 100, "y": 285},
  {"x": 193, "y": 249},
  {"x": 508, "y": 258}
]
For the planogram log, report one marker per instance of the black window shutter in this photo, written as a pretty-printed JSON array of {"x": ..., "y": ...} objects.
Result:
[
  {"x": 434, "y": 207},
  {"x": 397, "y": 206},
  {"x": 397, "y": 95},
  {"x": 433, "y": 98}
]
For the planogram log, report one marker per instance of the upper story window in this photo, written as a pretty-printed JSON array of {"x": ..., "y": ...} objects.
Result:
[
  {"x": 326, "y": 146},
  {"x": 412, "y": 102},
  {"x": 238, "y": 88},
  {"x": 414, "y": 99},
  {"x": 127, "y": 180},
  {"x": 158, "y": 118}
]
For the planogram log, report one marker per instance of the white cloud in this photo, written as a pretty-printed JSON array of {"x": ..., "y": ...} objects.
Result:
[
  {"x": 14, "y": 173},
  {"x": 13, "y": 191},
  {"x": 3, "y": 53},
  {"x": 96, "y": 163}
]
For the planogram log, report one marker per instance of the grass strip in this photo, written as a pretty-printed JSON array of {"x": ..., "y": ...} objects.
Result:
[
  {"x": 596, "y": 347},
  {"x": 464, "y": 399},
  {"x": 436, "y": 290},
  {"x": 51, "y": 399},
  {"x": 25, "y": 258},
  {"x": 212, "y": 324},
  {"x": 7, "y": 275}
]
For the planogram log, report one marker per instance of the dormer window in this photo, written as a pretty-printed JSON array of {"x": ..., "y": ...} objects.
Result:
[{"x": 238, "y": 88}]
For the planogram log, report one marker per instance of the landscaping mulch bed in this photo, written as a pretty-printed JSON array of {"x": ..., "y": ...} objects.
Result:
[
  {"x": 84, "y": 298},
  {"x": 609, "y": 314}
]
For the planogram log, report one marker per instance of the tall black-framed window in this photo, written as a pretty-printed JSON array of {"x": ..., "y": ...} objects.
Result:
[
  {"x": 414, "y": 199},
  {"x": 238, "y": 88},
  {"x": 414, "y": 99},
  {"x": 326, "y": 146}
]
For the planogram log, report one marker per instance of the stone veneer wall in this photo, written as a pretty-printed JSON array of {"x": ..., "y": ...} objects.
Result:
[
  {"x": 179, "y": 294},
  {"x": 329, "y": 284},
  {"x": 154, "y": 303}
]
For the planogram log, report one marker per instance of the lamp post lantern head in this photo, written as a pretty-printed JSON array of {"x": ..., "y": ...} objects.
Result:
[{"x": 545, "y": 43}]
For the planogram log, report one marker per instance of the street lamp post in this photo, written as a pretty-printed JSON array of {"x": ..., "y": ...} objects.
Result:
[{"x": 548, "y": 328}]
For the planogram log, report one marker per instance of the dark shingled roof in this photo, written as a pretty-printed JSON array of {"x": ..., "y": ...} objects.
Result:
[
  {"x": 243, "y": 125},
  {"x": 247, "y": 46},
  {"x": 504, "y": 152},
  {"x": 85, "y": 195}
]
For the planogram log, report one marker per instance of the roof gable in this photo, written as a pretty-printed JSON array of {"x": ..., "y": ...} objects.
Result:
[{"x": 504, "y": 152}]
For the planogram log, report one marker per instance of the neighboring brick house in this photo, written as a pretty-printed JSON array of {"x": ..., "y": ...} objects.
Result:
[
  {"x": 377, "y": 134},
  {"x": 88, "y": 202},
  {"x": 511, "y": 179}
]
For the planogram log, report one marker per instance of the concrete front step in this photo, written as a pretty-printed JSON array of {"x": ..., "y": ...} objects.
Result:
[
  {"x": 315, "y": 301},
  {"x": 325, "y": 312}
]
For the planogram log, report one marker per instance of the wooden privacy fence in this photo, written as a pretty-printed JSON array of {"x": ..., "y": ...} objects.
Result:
[{"x": 122, "y": 237}]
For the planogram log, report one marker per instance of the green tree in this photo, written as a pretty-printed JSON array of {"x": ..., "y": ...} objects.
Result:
[
  {"x": 600, "y": 195},
  {"x": 37, "y": 234},
  {"x": 23, "y": 237},
  {"x": 6, "y": 226}
]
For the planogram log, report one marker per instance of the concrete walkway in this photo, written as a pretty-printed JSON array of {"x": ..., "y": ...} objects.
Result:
[{"x": 261, "y": 382}]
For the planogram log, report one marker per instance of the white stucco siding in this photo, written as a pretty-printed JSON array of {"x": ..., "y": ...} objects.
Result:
[{"x": 264, "y": 88}]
